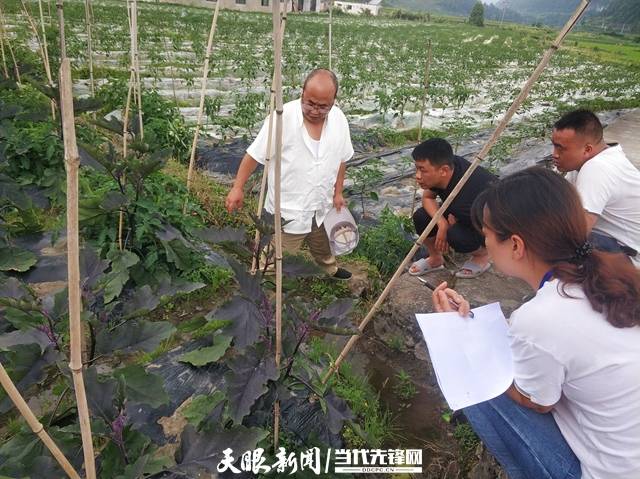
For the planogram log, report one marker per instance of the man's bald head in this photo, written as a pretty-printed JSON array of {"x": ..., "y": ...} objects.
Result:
[{"x": 321, "y": 78}]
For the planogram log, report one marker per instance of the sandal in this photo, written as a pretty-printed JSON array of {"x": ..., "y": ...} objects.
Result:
[
  {"x": 471, "y": 270},
  {"x": 421, "y": 267}
]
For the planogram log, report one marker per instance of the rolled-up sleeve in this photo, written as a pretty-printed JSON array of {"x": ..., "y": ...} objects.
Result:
[{"x": 258, "y": 149}]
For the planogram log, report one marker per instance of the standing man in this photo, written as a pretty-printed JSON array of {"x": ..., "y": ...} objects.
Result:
[
  {"x": 438, "y": 171},
  {"x": 316, "y": 144},
  {"x": 608, "y": 184}
]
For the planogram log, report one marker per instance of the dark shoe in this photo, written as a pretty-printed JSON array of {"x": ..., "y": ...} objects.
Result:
[{"x": 342, "y": 274}]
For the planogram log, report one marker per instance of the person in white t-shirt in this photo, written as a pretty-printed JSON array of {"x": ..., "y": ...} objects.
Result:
[
  {"x": 573, "y": 409},
  {"x": 316, "y": 143},
  {"x": 608, "y": 183}
]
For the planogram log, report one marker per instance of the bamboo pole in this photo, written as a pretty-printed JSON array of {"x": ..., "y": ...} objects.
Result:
[
  {"x": 63, "y": 41},
  {"x": 125, "y": 151},
  {"x": 203, "y": 92},
  {"x": 5, "y": 37},
  {"x": 88, "y": 19},
  {"x": 265, "y": 170},
  {"x": 72, "y": 163},
  {"x": 330, "y": 34},
  {"x": 425, "y": 91},
  {"x": 524, "y": 92},
  {"x": 135, "y": 60},
  {"x": 45, "y": 43},
  {"x": 277, "y": 66},
  {"x": 43, "y": 53},
  {"x": 34, "y": 424},
  {"x": 5, "y": 70},
  {"x": 427, "y": 71}
]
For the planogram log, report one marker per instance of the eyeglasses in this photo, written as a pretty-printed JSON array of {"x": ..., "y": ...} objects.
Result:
[{"x": 309, "y": 105}]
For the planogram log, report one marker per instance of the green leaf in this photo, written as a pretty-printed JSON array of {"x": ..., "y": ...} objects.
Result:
[
  {"x": 143, "y": 387},
  {"x": 133, "y": 336},
  {"x": 373, "y": 195},
  {"x": 210, "y": 354},
  {"x": 201, "y": 406},
  {"x": 16, "y": 259}
]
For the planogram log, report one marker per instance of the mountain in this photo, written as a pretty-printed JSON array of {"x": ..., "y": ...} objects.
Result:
[
  {"x": 457, "y": 7},
  {"x": 613, "y": 15},
  {"x": 552, "y": 12},
  {"x": 619, "y": 15}
]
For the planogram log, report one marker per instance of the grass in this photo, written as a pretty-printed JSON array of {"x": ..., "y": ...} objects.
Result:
[
  {"x": 374, "y": 426},
  {"x": 404, "y": 387}
]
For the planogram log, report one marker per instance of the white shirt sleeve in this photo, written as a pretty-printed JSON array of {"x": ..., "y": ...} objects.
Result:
[
  {"x": 537, "y": 373},
  {"x": 596, "y": 185},
  {"x": 258, "y": 149},
  {"x": 348, "y": 146}
]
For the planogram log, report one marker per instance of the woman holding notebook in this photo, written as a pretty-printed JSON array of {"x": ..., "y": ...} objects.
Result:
[{"x": 573, "y": 409}]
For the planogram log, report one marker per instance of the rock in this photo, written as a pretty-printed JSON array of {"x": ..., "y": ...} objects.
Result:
[{"x": 409, "y": 296}]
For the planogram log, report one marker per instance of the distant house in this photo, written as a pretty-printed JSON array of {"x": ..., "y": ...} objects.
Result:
[
  {"x": 256, "y": 5},
  {"x": 373, "y": 7}
]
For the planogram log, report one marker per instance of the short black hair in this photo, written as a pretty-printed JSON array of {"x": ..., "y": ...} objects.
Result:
[
  {"x": 437, "y": 151},
  {"x": 584, "y": 122},
  {"x": 319, "y": 71}
]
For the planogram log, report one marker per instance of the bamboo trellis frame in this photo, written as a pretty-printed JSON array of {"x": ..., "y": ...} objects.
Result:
[
  {"x": 41, "y": 48},
  {"x": 72, "y": 163},
  {"x": 88, "y": 19},
  {"x": 265, "y": 170},
  {"x": 5, "y": 39},
  {"x": 524, "y": 92},
  {"x": 277, "y": 67},
  {"x": 423, "y": 103},
  {"x": 5, "y": 70},
  {"x": 45, "y": 43},
  {"x": 134, "y": 90},
  {"x": 203, "y": 92},
  {"x": 330, "y": 34},
  {"x": 35, "y": 425}
]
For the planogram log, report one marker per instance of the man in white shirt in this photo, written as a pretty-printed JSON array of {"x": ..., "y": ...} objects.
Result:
[
  {"x": 608, "y": 183},
  {"x": 316, "y": 144}
]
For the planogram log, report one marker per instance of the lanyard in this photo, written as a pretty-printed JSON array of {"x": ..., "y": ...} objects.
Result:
[{"x": 547, "y": 276}]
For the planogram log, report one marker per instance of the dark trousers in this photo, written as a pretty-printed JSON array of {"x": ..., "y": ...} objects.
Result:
[{"x": 463, "y": 238}]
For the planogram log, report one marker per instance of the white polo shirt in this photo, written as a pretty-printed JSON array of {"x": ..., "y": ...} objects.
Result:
[
  {"x": 609, "y": 186},
  {"x": 567, "y": 354},
  {"x": 309, "y": 168}
]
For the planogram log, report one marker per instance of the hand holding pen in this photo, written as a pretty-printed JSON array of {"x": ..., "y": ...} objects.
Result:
[{"x": 447, "y": 300}]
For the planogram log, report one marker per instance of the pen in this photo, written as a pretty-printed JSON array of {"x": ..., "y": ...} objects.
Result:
[{"x": 452, "y": 303}]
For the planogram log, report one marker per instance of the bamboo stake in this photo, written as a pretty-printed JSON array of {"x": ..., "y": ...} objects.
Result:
[
  {"x": 203, "y": 92},
  {"x": 524, "y": 92},
  {"x": 277, "y": 66},
  {"x": 43, "y": 54},
  {"x": 72, "y": 162},
  {"x": 125, "y": 147},
  {"x": 330, "y": 33},
  {"x": 5, "y": 70},
  {"x": 34, "y": 424},
  {"x": 5, "y": 36},
  {"x": 88, "y": 19},
  {"x": 427, "y": 70},
  {"x": 135, "y": 58},
  {"x": 63, "y": 41},
  {"x": 265, "y": 170},
  {"x": 45, "y": 44}
]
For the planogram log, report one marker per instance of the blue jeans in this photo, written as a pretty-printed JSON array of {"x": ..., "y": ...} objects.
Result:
[
  {"x": 528, "y": 445},
  {"x": 609, "y": 244}
]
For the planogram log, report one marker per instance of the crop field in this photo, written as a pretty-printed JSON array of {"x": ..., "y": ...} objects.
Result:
[
  {"x": 177, "y": 336},
  {"x": 380, "y": 62}
]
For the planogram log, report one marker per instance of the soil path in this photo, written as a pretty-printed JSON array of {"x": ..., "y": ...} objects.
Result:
[{"x": 625, "y": 131}]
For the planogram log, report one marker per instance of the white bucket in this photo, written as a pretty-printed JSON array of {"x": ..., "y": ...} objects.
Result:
[{"x": 342, "y": 231}]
